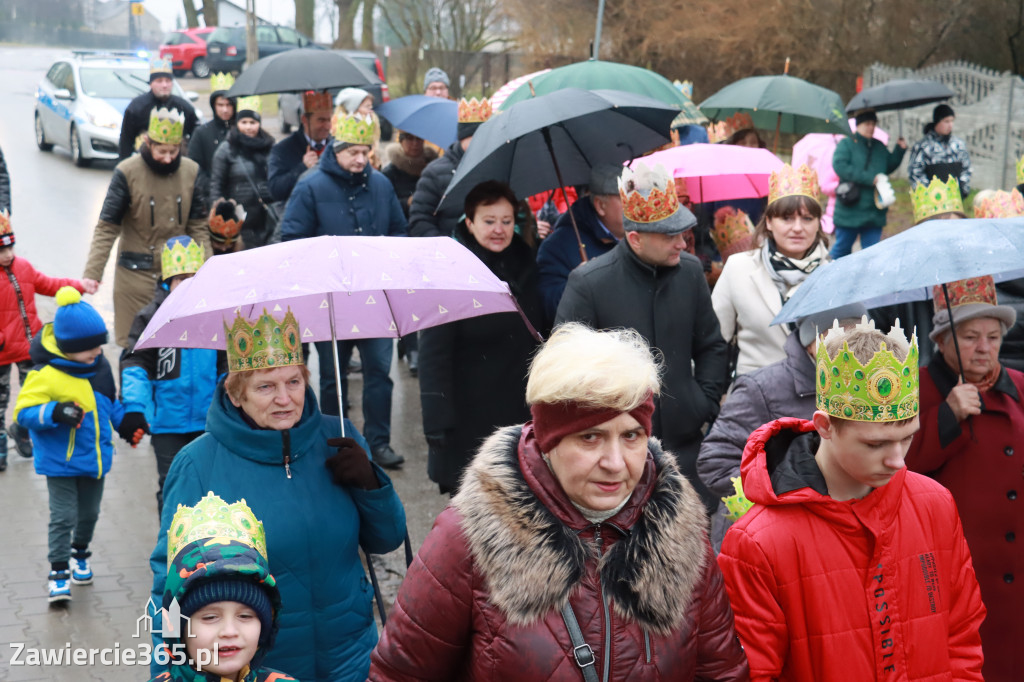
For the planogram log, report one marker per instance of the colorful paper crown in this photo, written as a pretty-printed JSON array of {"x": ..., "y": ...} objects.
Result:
[
  {"x": 181, "y": 259},
  {"x": 166, "y": 126},
  {"x": 723, "y": 130},
  {"x": 160, "y": 65},
  {"x": 313, "y": 101},
  {"x": 6, "y": 231},
  {"x": 685, "y": 87},
  {"x": 226, "y": 219},
  {"x": 648, "y": 194},
  {"x": 212, "y": 517},
  {"x": 474, "y": 110},
  {"x": 733, "y": 231},
  {"x": 738, "y": 504},
  {"x": 791, "y": 182},
  {"x": 883, "y": 390},
  {"x": 998, "y": 204},
  {"x": 966, "y": 291},
  {"x": 250, "y": 103},
  {"x": 1020, "y": 170},
  {"x": 265, "y": 344},
  {"x": 936, "y": 198},
  {"x": 221, "y": 81},
  {"x": 353, "y": 129}
]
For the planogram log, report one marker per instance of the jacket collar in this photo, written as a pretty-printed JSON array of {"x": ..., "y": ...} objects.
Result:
[
  {"x": 329, "y": 164},
  {"x": 801, "y": 367},
  {"x": 945, "y": 379},
  {"x": 646, "y": 269}
]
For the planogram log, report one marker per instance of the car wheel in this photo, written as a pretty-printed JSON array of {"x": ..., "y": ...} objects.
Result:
[
  {"x": 41, "y": 136},
  {"x": 76, "y": 149},
  {"x": 200, "y": 69}
]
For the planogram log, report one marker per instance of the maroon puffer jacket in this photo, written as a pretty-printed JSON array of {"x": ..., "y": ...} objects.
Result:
[
  {"x": 15, "y": 342},
  {"x": 481, "y": 601}
]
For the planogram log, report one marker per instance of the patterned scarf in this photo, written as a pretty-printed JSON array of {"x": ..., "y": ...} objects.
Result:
[{"x": 789, "y": 273}]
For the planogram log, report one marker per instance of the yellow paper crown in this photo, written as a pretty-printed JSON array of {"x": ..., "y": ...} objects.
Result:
[
  {"x": 1020, "y": 170},
  {"x": 265, "y": 344},
  {"x": 474, "y": 110},
  {"x": 738, "y": 504},
  {"x": 160, "y": 65},
  {"x": 353, "y": 129},
  {"x": 166, "y": 126},
  {"x": 648, "y": 194},
  {"x": 998, "y": 204},
  {"x": 936, "y": 198},
  {"x": 181, "y": 259},
  {"x": 212, "y": 517},
  {"x": 221, "y": 81},
  {"x": 6, "y": 231},
  {"x": 790, "y": 182},
  {"x": 732, "y": 232},
  {"x": 252, "y": 103},
  {"x": 883, "y": 390}
]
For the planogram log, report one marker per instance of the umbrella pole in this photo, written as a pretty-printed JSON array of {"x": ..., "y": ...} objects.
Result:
[
  {"x": 778, "y": 124},
  {"x": 337, "y": 362},
  {"x": 899, "y": 116},
  {"x": 558, "y": 173},
  {"x": 952, "y": 330}
]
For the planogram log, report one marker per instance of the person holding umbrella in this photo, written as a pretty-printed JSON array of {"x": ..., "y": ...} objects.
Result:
[
  {"x": 939, "y": 154},
  {"x": 861, "y": 162}
]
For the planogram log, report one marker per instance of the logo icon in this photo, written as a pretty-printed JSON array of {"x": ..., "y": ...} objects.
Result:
[{"x": 170, "y": 623}]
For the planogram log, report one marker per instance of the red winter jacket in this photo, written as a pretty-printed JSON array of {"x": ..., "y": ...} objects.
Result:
[
  {"x": 880, "y": 588},
  {"x": 481, "y": 601},
  {"x": 15, "y": 342}
]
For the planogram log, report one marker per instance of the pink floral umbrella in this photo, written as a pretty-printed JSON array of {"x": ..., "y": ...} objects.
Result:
[{"x": 719, "y": 172}]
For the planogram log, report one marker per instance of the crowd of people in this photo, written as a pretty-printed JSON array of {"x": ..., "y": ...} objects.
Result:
[{"x": 668, "y": 487}]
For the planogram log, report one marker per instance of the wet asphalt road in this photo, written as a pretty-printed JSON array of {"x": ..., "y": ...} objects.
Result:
[{"x": 55, "y": 207}]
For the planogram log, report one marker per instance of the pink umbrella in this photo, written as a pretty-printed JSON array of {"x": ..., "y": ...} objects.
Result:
[
  {"x": 719, "y": 172},
  {"x": 508, "y": 88}
]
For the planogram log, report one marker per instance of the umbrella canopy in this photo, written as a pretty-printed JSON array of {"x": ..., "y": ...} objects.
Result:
[
  {"x": 785, "y": 103},
  {"x": 719, "y": 172},
  {"x": 905, "y": 267},
  {"x": 578, "y": 128},
  {"x": 899, "y": 94},
  {"x": 308, "y": 68},
  {"x": 508, "y": 88},
  {"x": 432, "y": 118},
  {"x": 594, "y": 74}
]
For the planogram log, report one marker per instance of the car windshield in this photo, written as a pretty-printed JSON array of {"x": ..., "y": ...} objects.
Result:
[
  {"x": 201, "y": 36},
  {"x": 114, "y": 82},
  {"x": 221, "y": 35}
]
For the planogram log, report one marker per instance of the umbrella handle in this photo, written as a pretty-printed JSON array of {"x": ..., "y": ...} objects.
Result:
[
  {"x": 337, "y": 370},
  {"x": 558, "y": 173},
  {"x": 956, "y": 345}
]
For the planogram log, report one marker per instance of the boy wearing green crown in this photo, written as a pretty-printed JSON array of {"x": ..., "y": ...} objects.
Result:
[{"x": 849, "y": 567}]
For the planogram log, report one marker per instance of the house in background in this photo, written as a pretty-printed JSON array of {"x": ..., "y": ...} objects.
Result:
[
  {"x": 228, "y": 14},
  {"x": 110, "y": 17}
]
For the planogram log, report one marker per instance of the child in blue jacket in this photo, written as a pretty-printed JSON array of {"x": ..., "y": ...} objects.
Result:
[{"x": 69, "y": 404}]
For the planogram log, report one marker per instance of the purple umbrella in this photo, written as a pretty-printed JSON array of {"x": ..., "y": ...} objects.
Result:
[{"x": 338, "y": 288}]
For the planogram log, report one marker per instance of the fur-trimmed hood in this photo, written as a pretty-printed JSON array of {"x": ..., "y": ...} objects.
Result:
[
  {"x": 396, "y": 155},
  {"x": 530, "y": 544}
]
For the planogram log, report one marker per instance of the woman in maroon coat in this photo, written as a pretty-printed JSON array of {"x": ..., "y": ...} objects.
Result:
[
  {"x": 972, "y": 442},
  {"x": 576, "y": 516}
]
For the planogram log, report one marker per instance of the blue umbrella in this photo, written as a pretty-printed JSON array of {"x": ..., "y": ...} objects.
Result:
[
  {"x": 431, "y": 118},
  {"x": 905, "y": 267}
]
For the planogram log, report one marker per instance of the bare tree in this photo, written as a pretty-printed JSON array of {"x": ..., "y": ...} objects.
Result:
[
  {"x": 304, "y": 16},
  {"x": 367, "y": 39},
  {"x": 210, "y": 15},
  {"x": 346, "y": 15},
  {"x": 191, "y": 16}
]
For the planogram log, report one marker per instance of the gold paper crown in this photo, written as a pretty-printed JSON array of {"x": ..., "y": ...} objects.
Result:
[
  {"x": 180, "y": 259},
  {"x": 474, "y": 110},
  {"x": 1020, "y": 170},
  {"x": 790, "y": 182},
  {"x": 658, "y": 203},
  {"x": 252, "y": 103},
  {"x": 166, "y": 126},
  {"x": 160, "y": 65},
  {"x": 265, "y": 344},
  {"x": 998, "y": 204},
  {"x": 966, "y": 291},
  {"x": 732, "y": 232},
  {"x": 316, "y": 101},
  {"x": 6, "y": 231},
  {"x": 353, "y": 129},
  {"x": 212, "y": 517},
  {"x": 221, "y": 81},
  {"x": 723, "y": 130},
  {"x": 936, "y": 198},
  {"x": 883, "y": 390}
]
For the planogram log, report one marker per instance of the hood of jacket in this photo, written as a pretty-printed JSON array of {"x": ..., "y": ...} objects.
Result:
[
  {"x": 526, "y": 536},
  {"x": 398, "y": 158},
  {"x": 801, "y": 366},
  {"x": 44, "y": 351},
  {"x": 329, "y": 165},
  {"x": 454, "y": 153}
]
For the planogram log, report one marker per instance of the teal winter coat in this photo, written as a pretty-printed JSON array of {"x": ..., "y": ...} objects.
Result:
[{"x": 851, "y": 164}]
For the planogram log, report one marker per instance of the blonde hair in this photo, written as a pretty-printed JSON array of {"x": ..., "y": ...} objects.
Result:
[
  {"x": 236, "y": 383},
  {"x": 613, "y": 369},
  {"x": 865, "y": 341}
]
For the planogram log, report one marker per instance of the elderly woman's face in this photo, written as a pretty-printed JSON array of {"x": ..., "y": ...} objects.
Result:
[
  {"x": 598, "y": 468},
  {"x": 274, "y": 398},
  {"x": 979, "y": 341}
]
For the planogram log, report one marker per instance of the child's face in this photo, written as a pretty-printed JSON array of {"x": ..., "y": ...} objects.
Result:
[
  {"x": 228, "y": 633},
  {"x": 6, "y": 256},
  {"x": 85, "y": 357},
  {"x": 867, "y": 453}
]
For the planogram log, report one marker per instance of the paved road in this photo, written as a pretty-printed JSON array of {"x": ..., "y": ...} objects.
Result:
[{"x": 55, "y": 208}]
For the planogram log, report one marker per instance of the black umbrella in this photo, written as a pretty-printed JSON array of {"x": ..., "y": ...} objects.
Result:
[
  {"x": 299, "y": 70},
  {"x": 575, "y": 129},
  {"x": 899, "y": 94}
]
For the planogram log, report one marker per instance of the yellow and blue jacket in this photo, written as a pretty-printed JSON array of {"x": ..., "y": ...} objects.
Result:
[{"x": 61, "y": 450}]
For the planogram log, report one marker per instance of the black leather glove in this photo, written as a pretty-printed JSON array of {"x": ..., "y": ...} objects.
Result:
[
  {"x": 133, "y": 427},
  {"x": 68, "y": 413},
  {"x": 350, "y": 466}
]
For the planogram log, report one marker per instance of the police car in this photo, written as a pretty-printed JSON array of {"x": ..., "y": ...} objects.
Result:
[{"x": 80, "y": 103}]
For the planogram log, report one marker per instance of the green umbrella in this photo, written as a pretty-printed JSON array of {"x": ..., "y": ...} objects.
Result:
[
  {"x": 785, "y": 103},
  {"x": 594, "y": 74}
]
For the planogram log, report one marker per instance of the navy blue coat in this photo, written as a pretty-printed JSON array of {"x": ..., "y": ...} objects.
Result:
[
  {"x": 285, "y": 164},
  {"x": 333, "y": 201}
]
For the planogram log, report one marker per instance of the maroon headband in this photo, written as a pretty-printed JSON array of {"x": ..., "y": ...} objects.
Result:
[{"x": 554, "y": 421}]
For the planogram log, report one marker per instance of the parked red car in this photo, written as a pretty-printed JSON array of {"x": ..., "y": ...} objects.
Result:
[{"x": 187, "y": 51}]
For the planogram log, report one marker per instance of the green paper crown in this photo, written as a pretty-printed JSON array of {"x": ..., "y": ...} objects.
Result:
[
  {"x": 884, "y": 390},
  {"x": 353, "y": 129},
  {"x": 212, "y": 517},
  {"x": 221, "y": 81},
  {"x": 181, "y": 260},
  {"x": 252, "y": 103},
  {"x": 166, "y": 126},
  {"x": 737, "y": 504},
  {"x": 267, "y": 344},
  {"x": 1020, "y": 170},
  {"x": 936, "y": 198}
]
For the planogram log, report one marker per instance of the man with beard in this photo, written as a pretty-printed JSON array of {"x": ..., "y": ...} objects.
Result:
[
  {"x": 136, "y": 115},
  {"x": 152, "y": 197}
]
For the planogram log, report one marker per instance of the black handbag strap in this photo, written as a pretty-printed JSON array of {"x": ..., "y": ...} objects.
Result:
[{"x": 581, "y": 651}]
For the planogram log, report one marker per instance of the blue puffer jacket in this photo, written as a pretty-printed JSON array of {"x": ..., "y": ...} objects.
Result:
[
  {"x": 333, "y": 201},
  {"x": 59, "y": 449},
  {"x": 314, "y": 530}
]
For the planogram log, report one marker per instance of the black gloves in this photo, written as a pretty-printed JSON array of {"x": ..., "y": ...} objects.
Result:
[
  {"x": 68, "y": 413},
  {"x": 350, "y": 466},
  {"x": 133, "y": 427}
]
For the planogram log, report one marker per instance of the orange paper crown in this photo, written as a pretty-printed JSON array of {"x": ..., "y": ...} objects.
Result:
[
  {"x": 316, "y": 101},
  {"x": 225, "y": 230},
  {"x": 998, "y": 204},
  {"x": 723, "y": 130},
  {"x": 6, "y": 231},
  {"x": 474, "y": 110},
  {"x": 965, "y": 291},
  {"x": 789, "y": 182},
  {"x": 733, "y": 231},
  {"x": 659, "y": 203}
]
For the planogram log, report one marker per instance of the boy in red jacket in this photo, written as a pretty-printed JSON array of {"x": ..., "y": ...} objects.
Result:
[
  {"x": 19, "y": 322},
  {"x": 849, "y": 567}
]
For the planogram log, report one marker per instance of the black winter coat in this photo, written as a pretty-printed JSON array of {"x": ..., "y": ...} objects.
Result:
[
  {"x": 404, "y": 172},
  {"x": 206, "y": 140},
  {"x": 429, "y": 190},
  {"x": 473, "y": 372},
  {"x": 239, "y": 172},
  {"x": 5, "y": 185},
  {"x": 136, "y": 119}
]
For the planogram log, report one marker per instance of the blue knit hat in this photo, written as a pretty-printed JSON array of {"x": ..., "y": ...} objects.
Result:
[
  {"x": 77, "y": 325},
  {"x": 237, "y": 589}
]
